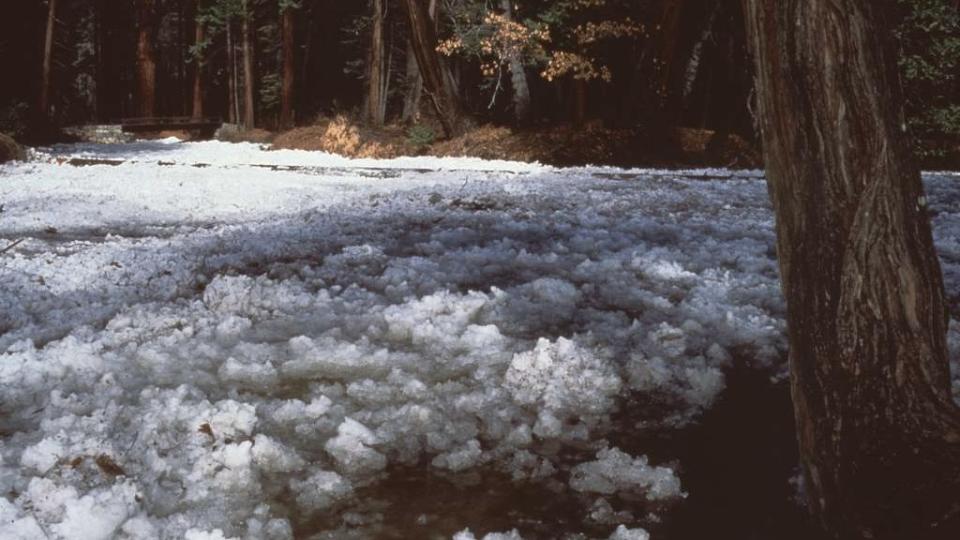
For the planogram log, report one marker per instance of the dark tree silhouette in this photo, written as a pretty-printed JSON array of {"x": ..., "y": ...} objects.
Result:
[
  {"x": 44, "y": 104},
  {"x": 288, "y": 21},
  {"x": 375, "y": 107},
  {"x": 146, "y": 57}
]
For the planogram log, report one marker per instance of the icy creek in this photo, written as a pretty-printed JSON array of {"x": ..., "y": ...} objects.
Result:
[{"x": 213, "y": 340}]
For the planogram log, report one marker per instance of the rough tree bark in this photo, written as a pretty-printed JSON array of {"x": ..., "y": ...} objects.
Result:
[
  {"x": 879, "y": 433},
  {"x": 248, "y": 79},
  {"x": 199, "y": 35},
  {"x": 375, "y": 107},
  {"x": 44, "y": 104},
  {"x": 518, "y": 78},
  {"x": 436, "y": 81},
  {"x": 289, "y": 69},
  {"x": 146, "y": 58}
]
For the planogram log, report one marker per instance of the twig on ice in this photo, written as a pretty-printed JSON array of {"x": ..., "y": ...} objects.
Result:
[{"x": 11, "y": 246}]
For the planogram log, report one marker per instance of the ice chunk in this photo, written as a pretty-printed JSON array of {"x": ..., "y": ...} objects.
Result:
[
  {"x": 602, "y": 513},
  {"x": 563, "y": 378},
  {"x": 615, "y": 471},
  {"x": 197, "y": 534},
  {"x": 467, "y": 535},
  {"x": 42, "y": 456},
  {"x": 259, "y": 375},
  {"x": 623, "y": 533},
  {"x": 274, "y": 457},
  {"x": 15, "y": 526},
  {"x": 460, "y": 459},
  {"x": 321, "y": 490},
  {"x": 350, "y": 449},
  {"x": 232, "y": 419},
  {"x": 139, "y": 527},
  {"x": 99, "y": 514}
]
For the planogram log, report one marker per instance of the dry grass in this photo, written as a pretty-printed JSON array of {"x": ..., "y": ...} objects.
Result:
[
  {"x": 342, "y": 135},
  {"x": 564, "y": 145},
  {"x": 488, "y": 142},
  {"x": 555, "y": 145}
]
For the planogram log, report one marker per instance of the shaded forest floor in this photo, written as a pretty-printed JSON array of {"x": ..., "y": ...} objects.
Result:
[{"x": 561, "y": 145}]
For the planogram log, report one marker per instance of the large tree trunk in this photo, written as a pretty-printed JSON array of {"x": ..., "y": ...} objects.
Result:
[
  {"x": 182, "y": 51},
  {"x": 375, "y": 108},
  {"x": 878, "y": 430},
  {"x": 199, "y": 35},
  {"x": 146, "y": 58},
  {"x": 518, "y": 78},
  {"x": 414, "y": 88},
  {"x": 44, "y": 103},
  {"x": 248, "y": 90},
  {"x": 289, "y": 67},
  {"x": 436, "y": 81},
  {"x": 100, "y": 75},
  {"x": 414, "y": 82},
  {"x": 233, "y": 115}
]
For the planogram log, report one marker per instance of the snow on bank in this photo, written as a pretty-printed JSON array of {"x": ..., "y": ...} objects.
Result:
[
  {"x": 232, "y": 351},
  {"x": 217, "y": 153}
]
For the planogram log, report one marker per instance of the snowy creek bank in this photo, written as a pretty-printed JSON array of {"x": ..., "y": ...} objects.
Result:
[{"x": 231, "y": 351}]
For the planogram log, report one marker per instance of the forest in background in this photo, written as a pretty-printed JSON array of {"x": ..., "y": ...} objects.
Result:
[{"x": 640, "y": 65}]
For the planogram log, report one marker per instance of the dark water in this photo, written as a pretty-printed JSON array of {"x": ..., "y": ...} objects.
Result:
[{"x": 735, "y": 462}]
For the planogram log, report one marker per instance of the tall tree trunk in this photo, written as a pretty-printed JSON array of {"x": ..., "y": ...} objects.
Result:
[
  {"x": 307, "y": 57},
  {"x": 44, "y": 103},
  {"x": 289, "y": 67},
  {"x": 656, "y": 66},
  {"x": 199, "y": 35},
  {"x": 100, "y": 75},
  {"x": 518, "y": 78},
  {"x": 414, "y": 82},
  {"x": 436, "y": 80},
  {"x": 233, "y": 109},
  {"x": 879, "y": 433},
  {"x": 414, "y": 88},
  {"x": 248, "y": 93},
  {"x": 146, "y": 58},
  {"x": 182, "y": 51},
  {"x": 375, "y": 107}
]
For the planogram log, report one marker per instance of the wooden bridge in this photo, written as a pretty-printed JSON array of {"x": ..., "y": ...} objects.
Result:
[{"x": 206, "y": 126}]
